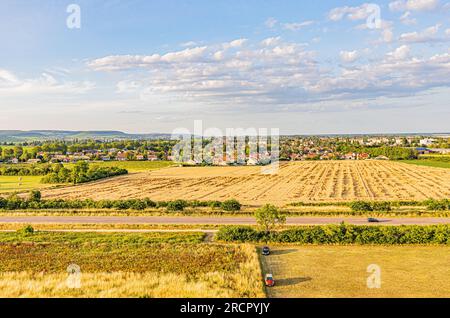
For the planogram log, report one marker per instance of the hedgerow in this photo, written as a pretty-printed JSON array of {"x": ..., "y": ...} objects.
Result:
[
  {"x": 366, "y": 206},
  {"x": 34, "y": 202},
  {"x": 341, "y": 234}
]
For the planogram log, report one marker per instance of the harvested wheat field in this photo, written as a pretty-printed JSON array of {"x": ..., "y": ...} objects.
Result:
[{"x": 310, "y": 181}]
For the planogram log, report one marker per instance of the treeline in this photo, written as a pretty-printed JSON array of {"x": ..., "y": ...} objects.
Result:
[
  {"x": 82, "y": 172},
  {"x": 341, "y": 234},
  {"x": 34, "y": 202},
  {"x": 58, "y": 173},
  {"x": 28, "y": 170},
  {"x": 392, "y": 152}
]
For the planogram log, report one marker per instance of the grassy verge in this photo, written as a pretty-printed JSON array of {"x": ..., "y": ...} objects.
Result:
[
  {"x": 245, "y": 212},
  {"x": 100, "y": 238},
  {"x": 341, "y": 271},
  {"x": 107, "y": 227}
]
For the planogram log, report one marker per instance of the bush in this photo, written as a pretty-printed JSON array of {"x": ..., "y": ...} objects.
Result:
[
  {"x": 27, "y": 230},
  {"x": 361, "y": 206},
  {"x": 35, "y": 196},
  {"x": 381, "y": 206},
  {"x": 231, "y": 205},
  {"x": 177, "y": 205},
  {"x": 438, "y": 205},
  {"x": 237, "y": 234},
  {"x": 342, "y": 234}
]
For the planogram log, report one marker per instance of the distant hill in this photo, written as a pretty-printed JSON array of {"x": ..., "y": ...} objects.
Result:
[{"x": 22, "y": 136}]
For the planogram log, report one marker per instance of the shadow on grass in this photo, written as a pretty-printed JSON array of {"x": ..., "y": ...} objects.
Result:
[
  {"x": 281, "y": 252},
  {"x": 292, "y": 281}
]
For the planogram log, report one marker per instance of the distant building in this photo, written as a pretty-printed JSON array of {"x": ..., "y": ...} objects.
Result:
[
  {"x": 122, "y": 156},
  {"x": 427, "y": 141}
]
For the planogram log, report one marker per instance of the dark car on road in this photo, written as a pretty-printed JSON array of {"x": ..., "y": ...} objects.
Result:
[
  {"x": 373, "y": 220},
  {"x": 265, "y": 251}
]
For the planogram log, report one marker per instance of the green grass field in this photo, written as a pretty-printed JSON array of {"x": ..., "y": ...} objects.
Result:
[
  {"x": 135, "y": 166},
  {"x": 429, "y": 163},
  {"x": 21, "y": 183},
  {"x": 341, "y": 271}
]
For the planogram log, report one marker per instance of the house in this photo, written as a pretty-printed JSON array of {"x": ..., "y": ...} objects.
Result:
[
  {"x": 349, "y": 156},
  {"x": 381, "y": 158},
  {"x": 106, "y": 158},
  {"x": 363, "y": 156},
  {"x": 140, "y": 157},
  {"x": 31, "y": 161},
  {"x": 423, "y": 150},
  {"x": 443, "y": 151},
  {"x": 15, "y": 160},
  {"x": 427, "y": 141},
  {"x": 122, "y": 156}
]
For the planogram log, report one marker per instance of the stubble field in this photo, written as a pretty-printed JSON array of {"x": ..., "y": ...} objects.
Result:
[
  {"x": 310, "y": 181},
  {"x": 342, "y": 271}
]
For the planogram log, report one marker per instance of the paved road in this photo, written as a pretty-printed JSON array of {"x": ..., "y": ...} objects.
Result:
[{"x": 210, "y": 220}]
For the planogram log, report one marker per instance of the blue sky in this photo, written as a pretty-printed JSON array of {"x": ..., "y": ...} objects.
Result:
[{"x": 153, "y": 66}]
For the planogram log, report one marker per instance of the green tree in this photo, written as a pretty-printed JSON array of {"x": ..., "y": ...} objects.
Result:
[
  {"x": 35, "y": 195},
  {"x": 268, "y": 217}
]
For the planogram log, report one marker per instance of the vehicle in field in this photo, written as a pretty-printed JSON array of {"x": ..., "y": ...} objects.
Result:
[
  {"x": 373, "y": 220},
  {"x": 265, "y": 251},
  {"x": 270, "y": 282}
]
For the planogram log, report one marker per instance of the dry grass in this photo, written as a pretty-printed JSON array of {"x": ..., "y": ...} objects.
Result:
[
  {"x": 341, "y": 271},
  {"x": 125, "y": 266},
  {"x": 311, "y": 181},
  {"x": 243, "y": 283}
]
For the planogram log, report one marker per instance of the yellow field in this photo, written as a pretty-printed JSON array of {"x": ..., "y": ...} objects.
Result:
[
  {"x": 341, "y": 271},
  {"x": 311, "y": 181}
]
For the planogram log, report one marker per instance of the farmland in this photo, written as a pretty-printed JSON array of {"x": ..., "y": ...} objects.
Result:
[
  {"x": 126, "y": 265},
  {"x": 341, "y": 271},
  {"x": 18, "y": 183},
  {"x": 309, "y": 181},
  {"x": 136, "y": 166}
]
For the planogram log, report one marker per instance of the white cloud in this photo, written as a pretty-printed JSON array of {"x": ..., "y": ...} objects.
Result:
[
  {"x": 399, "y": 53},
  {"x": 271, "y": 41},
  {"x": 236, "y": 43},
  {"x": 349, "y": 56},
  {"x": 427, "y": 35},
  {"x": 413, "y": 5},
  {"x": 351, "y": 13},
  {"x": 273, "y": 74},
  {"x": 189, "y": 44},
  {"x": 447, "y": 32},
  {"x": 406, "y": 18},
  {"x": 11, "y": 85},
  {"x": 271, "y": 22},
  {"x": 295, "y": 26}
]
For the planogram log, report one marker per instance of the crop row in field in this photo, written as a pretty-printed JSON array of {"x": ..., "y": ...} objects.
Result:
[{"x": 328, "y": 181}]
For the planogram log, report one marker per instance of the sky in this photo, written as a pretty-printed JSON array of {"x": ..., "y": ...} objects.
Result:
[{"x": 305, "y": 67}]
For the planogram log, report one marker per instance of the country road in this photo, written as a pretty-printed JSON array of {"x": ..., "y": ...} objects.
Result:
[{"x": 186, "y": 220}]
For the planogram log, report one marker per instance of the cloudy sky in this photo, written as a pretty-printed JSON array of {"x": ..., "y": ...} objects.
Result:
[{"x": 305, "y": 67}]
